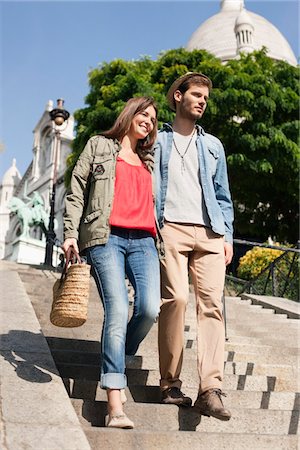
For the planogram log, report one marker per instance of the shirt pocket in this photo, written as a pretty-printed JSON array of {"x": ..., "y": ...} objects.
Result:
[{"x": 214, "y": 154}]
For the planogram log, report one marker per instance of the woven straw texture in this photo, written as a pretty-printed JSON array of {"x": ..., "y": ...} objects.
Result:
[{"x": 70, "y": 297}]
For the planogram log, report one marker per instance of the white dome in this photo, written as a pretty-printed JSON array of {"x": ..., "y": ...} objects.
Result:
[
  {"x": 217, "y": 36},
  {"x": 12, "y": 175}
]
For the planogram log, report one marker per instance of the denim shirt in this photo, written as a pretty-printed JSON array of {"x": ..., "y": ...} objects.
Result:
[{"x": 212, "y": 177}]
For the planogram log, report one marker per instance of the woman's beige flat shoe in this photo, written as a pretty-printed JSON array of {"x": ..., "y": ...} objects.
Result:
[
  {"x": 123, "y": 396},
  {"x": 118, "y": 421}
]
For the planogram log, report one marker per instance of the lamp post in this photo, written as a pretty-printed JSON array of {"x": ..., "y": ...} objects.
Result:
[{"x": 58, "y": 115}]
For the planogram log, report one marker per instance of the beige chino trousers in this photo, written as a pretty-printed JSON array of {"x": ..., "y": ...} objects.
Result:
[{"x": 200, "y": 251}]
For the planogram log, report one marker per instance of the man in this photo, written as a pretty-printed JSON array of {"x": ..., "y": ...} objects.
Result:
[{"x": 195, "y": 216}]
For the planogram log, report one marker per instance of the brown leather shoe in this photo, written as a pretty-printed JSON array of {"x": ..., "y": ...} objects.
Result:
[
  {"x": 210, "y": 404},
  {"x": 174, "y": 396}
]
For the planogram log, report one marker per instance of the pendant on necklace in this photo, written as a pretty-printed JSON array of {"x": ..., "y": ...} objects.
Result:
[
  {"x": 182, "y": 155},
  {"x": 182, "y": 166}
]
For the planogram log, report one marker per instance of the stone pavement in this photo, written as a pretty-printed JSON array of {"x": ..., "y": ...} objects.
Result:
[
  {"x": 51, "y": 400},
  {"x": 35, "y": 411}
]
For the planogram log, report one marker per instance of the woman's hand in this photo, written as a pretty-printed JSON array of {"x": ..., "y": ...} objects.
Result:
[{"x": 68, "y": 244}]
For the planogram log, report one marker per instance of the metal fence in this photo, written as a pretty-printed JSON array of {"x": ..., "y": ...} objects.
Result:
[{"x": 280, "y": 278}]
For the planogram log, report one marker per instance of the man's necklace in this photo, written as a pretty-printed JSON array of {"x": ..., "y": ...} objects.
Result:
[{"x": 182, "y": 155}]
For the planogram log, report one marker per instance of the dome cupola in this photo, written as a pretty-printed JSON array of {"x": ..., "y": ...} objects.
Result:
[
  {"x": 12, "y": 176},
  {"x": 234, "y": 29},
  {"x": 232, "y": 5},
  {"x": 244, "y": 30}
]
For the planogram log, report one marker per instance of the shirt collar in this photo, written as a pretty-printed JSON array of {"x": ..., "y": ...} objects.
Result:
[{"x": 168, "y": 127}]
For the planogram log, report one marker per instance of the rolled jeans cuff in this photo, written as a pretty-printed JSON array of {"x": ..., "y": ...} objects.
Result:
[{"x": 113, "y": 381}]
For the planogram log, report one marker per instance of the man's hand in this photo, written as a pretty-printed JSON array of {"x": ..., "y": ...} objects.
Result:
[{"x": 228, "y": 251}]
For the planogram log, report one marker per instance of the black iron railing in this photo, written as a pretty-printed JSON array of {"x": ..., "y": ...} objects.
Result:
[{"x": 280, "y": 278}]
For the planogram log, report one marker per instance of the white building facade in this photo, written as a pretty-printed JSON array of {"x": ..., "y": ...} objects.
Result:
[
  {"x": 11, "y": 180},
  {"x": 37, "y": 178}
]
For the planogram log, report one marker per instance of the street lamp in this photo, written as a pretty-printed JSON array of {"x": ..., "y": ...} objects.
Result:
[{"x": 58, "y": 115}]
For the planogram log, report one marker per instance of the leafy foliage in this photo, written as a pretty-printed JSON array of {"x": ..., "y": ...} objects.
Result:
[
  {"x": 253, "y": 109},
  {"x": 255, "y": 261},
  {"x": 282, "y": 279}
]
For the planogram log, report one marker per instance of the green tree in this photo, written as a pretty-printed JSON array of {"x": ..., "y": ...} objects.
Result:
[{"x": 253, "y": 109}]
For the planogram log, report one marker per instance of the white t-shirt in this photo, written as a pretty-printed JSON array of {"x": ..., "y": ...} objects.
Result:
[{"x": 184, "y": 198}]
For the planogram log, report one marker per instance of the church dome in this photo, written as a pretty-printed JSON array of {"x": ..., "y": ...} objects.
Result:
[
  {"x": 12, "y": 175},
  {"x": 217, "y": 34}
]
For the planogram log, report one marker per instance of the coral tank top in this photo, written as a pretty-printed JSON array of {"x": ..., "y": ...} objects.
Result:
[{"x": 133, "y": 201}]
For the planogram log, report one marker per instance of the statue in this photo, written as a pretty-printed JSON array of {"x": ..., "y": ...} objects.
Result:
[{"x": 30, "y": 213}]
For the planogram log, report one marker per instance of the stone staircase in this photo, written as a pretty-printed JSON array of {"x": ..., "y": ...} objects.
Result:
[{"x": 261, "y": 379}]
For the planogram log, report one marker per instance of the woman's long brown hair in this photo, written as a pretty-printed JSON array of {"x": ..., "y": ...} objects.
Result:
[{"x": 123, "y": 122}]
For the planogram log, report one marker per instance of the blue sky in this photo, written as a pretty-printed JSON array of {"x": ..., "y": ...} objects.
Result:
[{"x": 48, "y": 47}]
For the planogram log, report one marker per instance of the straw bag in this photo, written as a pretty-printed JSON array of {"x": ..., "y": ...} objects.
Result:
[{"x": 71, "y": 294}]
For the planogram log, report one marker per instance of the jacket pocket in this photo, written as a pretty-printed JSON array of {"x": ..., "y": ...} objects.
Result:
[
  {"x": 93, "y": 215},
  {"x": 101, "y": 170}
]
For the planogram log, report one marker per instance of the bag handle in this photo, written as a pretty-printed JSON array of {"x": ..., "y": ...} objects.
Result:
[{"x": 71, "y": 257}]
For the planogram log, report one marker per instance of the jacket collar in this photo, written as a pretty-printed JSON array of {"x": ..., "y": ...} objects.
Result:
[{"x": 117, "y": 145}]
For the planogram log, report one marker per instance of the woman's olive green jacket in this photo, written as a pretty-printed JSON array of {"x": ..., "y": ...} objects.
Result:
[{"x": 89, "y": 201}]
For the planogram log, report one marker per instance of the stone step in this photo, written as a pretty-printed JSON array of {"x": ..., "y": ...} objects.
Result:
[
  {"x": 37, "y": 277},
  {"x": 189, "y": 377},
  {"x": 258, "y": 348},
  {"x": 286, "y": 327},
  {"x": 43, "y": 291},
  {"x": 291, "y": 311},
  {"x": 106, "y": 439},
  {"x": 241, "y": 353},
  {"x": 257, "y": 338},
  {"x": 261, "y": 332},
  {"x": 244, "y": 313},
  {"x": 285, "y": 341},
  {"x": 68, "y": 341},
  {"x": 69, "y": 344},
  {"x": 291, "y": 308},
  {"x": 267, "y": 357},
  {"x": 93, "y": 327},
  {"x": 273, "y": 336},
  {"x": 284, "y": 371},
  {"x": 289, "y": 338},
  {"x": 41, "y": 285},
  {"x": 254, "y": 318},
  {"x": 254, "y": 311},
  {"x": 286, "y": 401},
  {"x": 255, "y": 314},
  {"x": 150, "y": 417},
  {"x": 254, "y": 338},
  {"x": 95, "y": 317},
  {"x": 284, "y": 324},
  {"x": 139, "y": 362},
  {"x": 256, "y": 407}
]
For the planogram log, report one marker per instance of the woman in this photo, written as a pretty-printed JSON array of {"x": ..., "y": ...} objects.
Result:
[{"x": 109, "y": 211}]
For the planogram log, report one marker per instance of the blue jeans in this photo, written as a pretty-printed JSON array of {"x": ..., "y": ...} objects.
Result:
[{"x": 130, "y": 252}]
